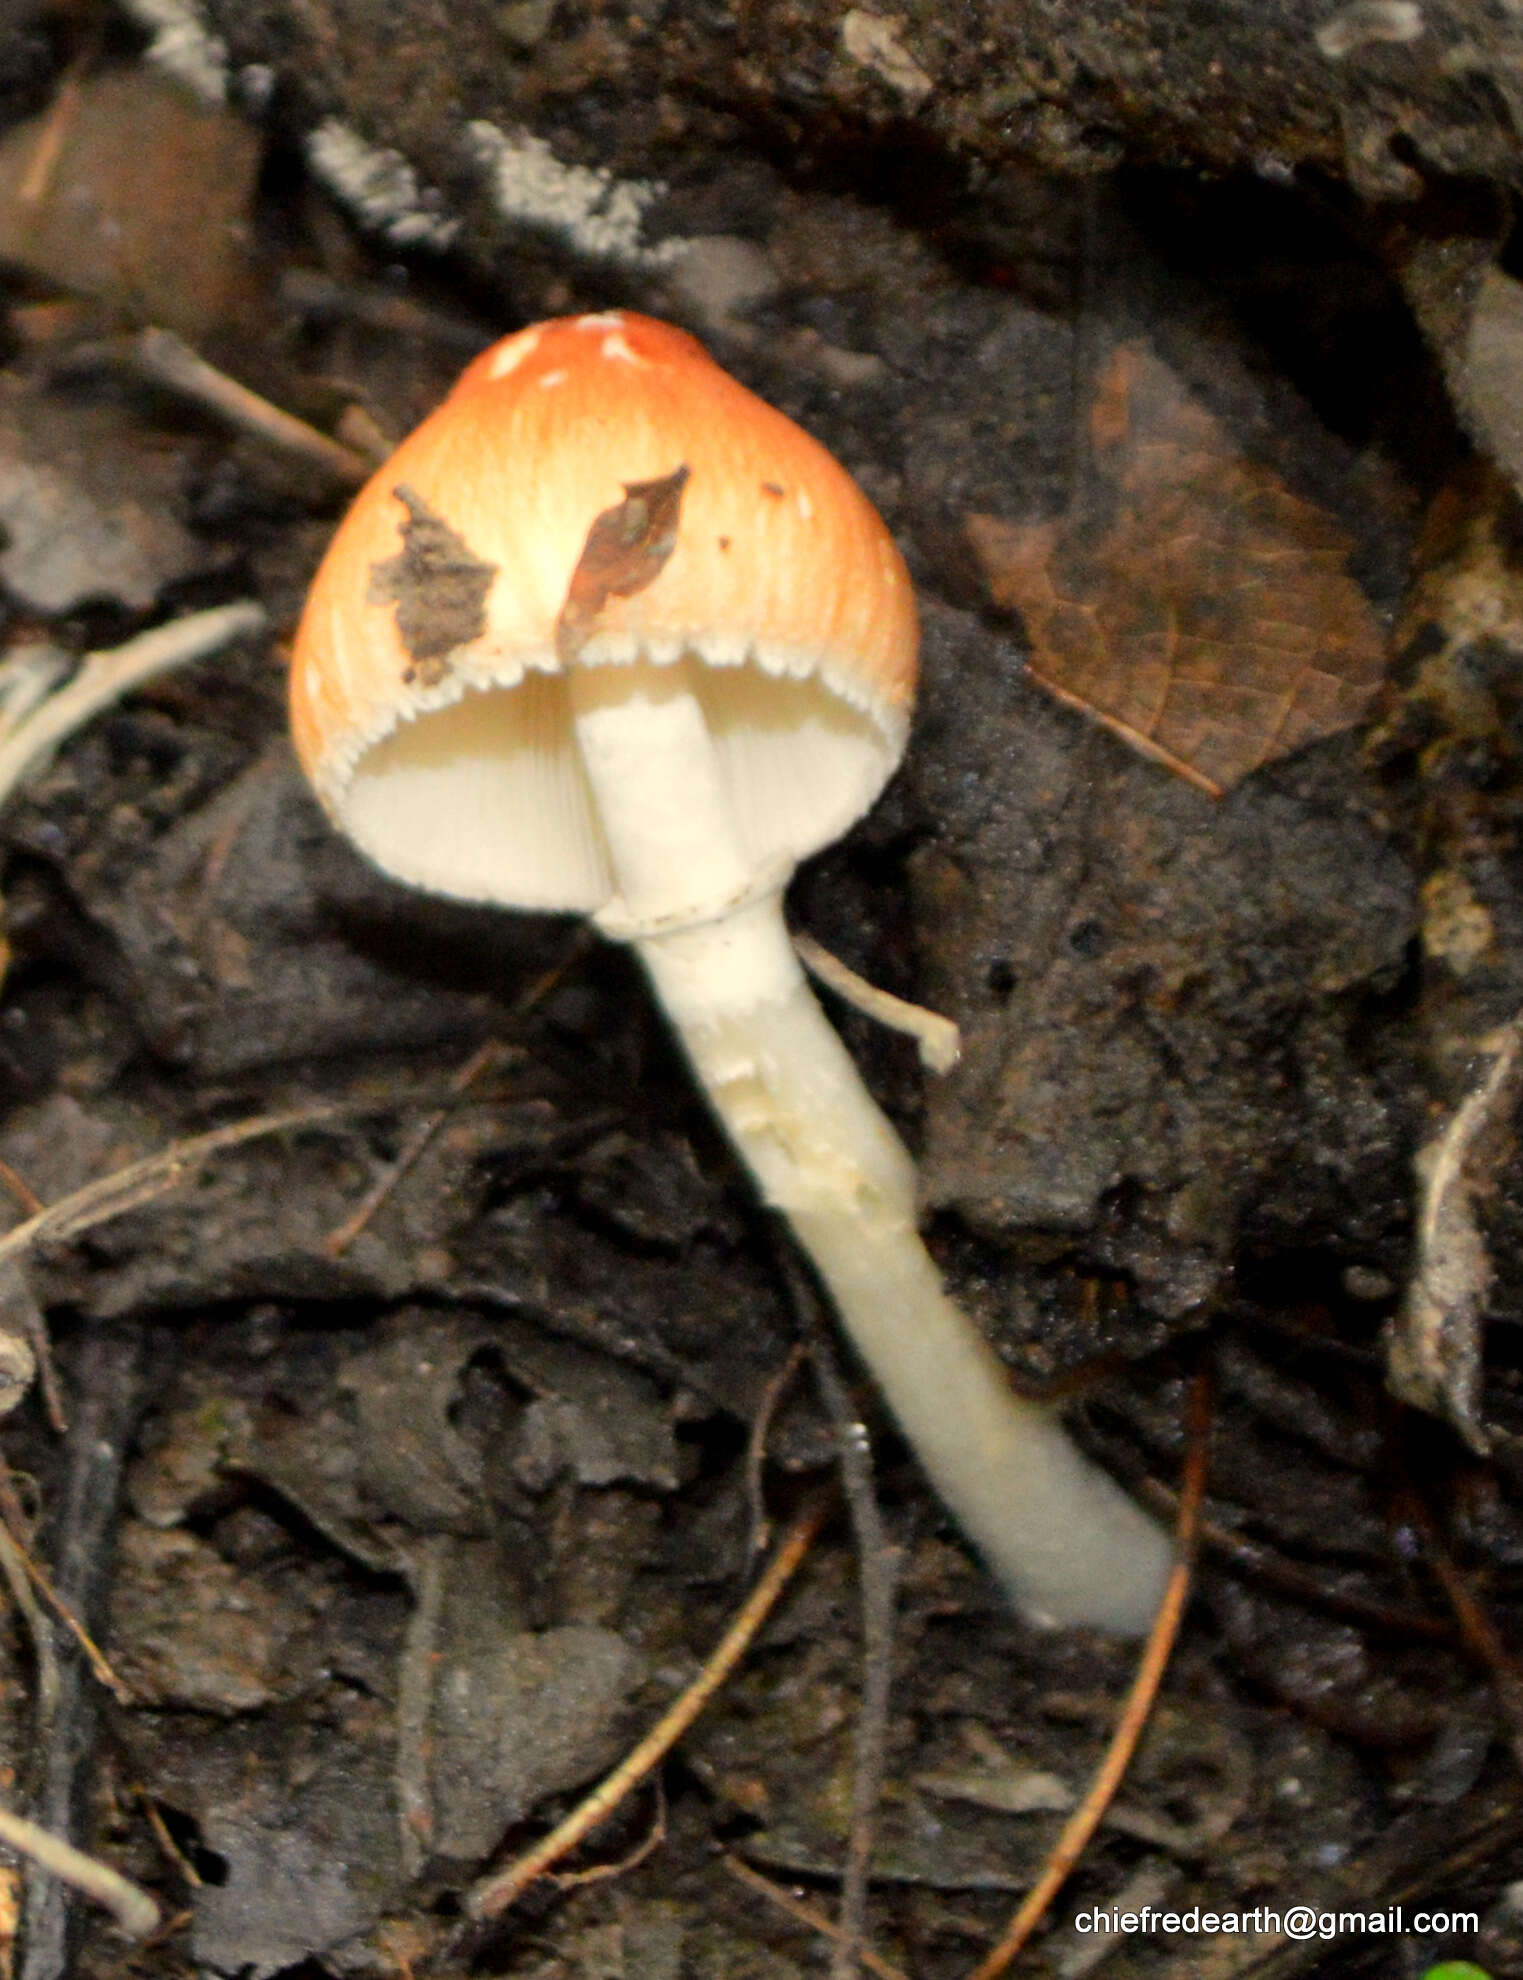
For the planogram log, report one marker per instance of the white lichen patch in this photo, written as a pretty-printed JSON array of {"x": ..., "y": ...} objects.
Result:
[
  {"x": 380, "y": 186},
  {"x": 720, "y": 277},
  {"x": 600, "y": 216},
  {"x": 872, "y": 42},
  {"x": 1456, "y": 927},
  {"x": 184, "y": 46},
  {"x": 1366, "y": 21}
]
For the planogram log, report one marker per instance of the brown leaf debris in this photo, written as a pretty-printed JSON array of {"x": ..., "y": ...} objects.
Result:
[
  {"x": 626, "y": 550},
  {"x": 1189, "y": 600}
]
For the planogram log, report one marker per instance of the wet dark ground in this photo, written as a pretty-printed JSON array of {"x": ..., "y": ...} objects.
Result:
[{"x": 397, "y": 1536}]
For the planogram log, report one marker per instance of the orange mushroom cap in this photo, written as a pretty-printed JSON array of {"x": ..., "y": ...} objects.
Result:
[{"x": 424, "y": 698}]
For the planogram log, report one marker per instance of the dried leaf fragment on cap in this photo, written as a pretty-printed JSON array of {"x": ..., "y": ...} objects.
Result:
[
  {"x": 1190, "y": 601},
  {"x": 438, "y": 587},
  {"x": 626, "y": 550}
]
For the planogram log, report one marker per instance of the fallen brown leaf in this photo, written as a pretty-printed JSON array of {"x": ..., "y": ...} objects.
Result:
[{"x": 1190, "y": 601}]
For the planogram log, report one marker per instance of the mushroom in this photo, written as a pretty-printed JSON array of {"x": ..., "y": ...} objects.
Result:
[{"x": 610, "y": 634}]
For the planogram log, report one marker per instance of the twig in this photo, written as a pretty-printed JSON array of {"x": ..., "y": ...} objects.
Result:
[
  {"x": 878, "y": 1573},
  {"x": 759, "y": 1527},
  {"x": 378, "y": 308},
  {"x": 17, "y": 1559},
  {"x": 104, "y": 678},
  {"x": 57, "y": 127},
  {"x": 243, "y": 796},
  {"x": 599, "y": 1873},
  {"x": 19, "y": 1518},
  {"x": 805, "y": 1914},
  {"x": 133, "y": 1909},
  {"x": 492, "y": 1896},
  {"x": 176, "y": 1923},
  {"x": 476, "y": 1067},
  {"x": 84, "y": 1516},
  {"x": 27, "y": 1199},
  {"x": 481, "y": 1062},
  {"x": 168, "y": 360},
  {"x": 169, "y": 1849},
  {"x": 938, "y": 1038},
  {"x": 140, "y": 1182},
  {"x": 16, "y": 1566},
  {"x": 27, "y": 1355},
  {"x": 1263, "y": 1565},
  {"x": 28, "y": 675},
  {"x": 1479, "y": 1632},
  {"x": 358, "y": 428},
  {"x": 1081, "y": 1825},
  {"x": 427, "y": 1569}
]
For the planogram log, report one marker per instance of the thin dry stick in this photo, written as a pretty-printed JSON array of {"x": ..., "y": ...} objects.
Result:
[
  {"x": 16, "y": 1516},
  {"x": 938, "y": 1038},
  {"x": 168, "y": 1848},
  {"x": 1480, "y": 1633},
  {"x": 20, "y": 1566},
  {"x": 878, "y": 1576},
  {"x": 13, "y": 1564},
  {"x": 41, "y": 1343},
  {"x": 481, "y": 1062},
  {"x": 168, "y": 360},
  {"x": 27, "y": 1199},
  {"x": 24, "y": 1571},
  {"x": 338, "y": 1240},
  {"x": 243, "y": 795},
  {"x": 140, "y": 1182},
  {"x": 599, "y": 1873},
  {"x": 18, "y": 1298},
  {"x": 95, "y": 1657},
  {"x": 1260, "y": 1564},
  {"x": 133, "y": 1909},
  {"x": 176, "y": 1923},
  {"x": 805, "y": 1914},
  {"x": 37, "y": 180},
  {"x": 759, "y": 1527},
  {"x": 1081, "y": 1825},
  {"x": 28, "y": 675},
  {"x": 379, "y": 308},
  {"x": 428, "y": 1571},
  {"x": 103, "y": 678},
  {"x": 494, "y": 1894}
]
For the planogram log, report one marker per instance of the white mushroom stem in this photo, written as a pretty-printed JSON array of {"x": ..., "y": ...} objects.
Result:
[{"x": 1064, "y": 1540}]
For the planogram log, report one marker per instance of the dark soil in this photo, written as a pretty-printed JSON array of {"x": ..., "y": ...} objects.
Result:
[{"x": 398, "y": 1529}]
